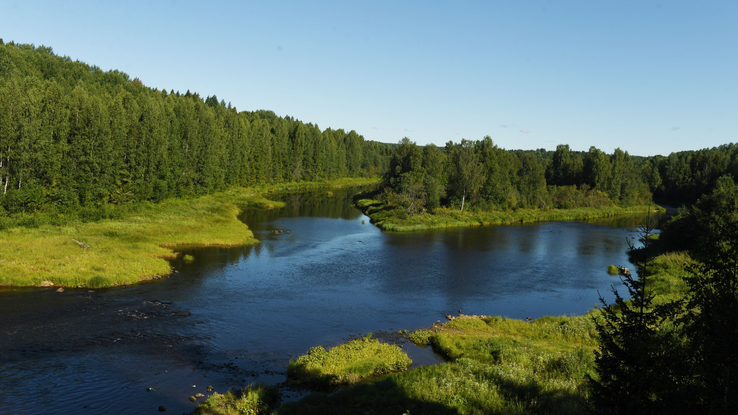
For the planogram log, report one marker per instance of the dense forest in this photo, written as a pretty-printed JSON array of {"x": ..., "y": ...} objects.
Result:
[
  {"x": 74, "y": 135},
  {"x": 483, "y": 176}
]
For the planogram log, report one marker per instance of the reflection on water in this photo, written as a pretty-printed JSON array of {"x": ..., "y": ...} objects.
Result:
[{"x": 321, "y": 273}]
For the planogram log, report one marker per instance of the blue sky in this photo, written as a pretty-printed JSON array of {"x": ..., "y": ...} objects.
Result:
[{"x": 647, "y": 77}]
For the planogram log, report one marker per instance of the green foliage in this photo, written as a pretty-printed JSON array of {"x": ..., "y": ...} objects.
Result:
[
  {"x": 421, "y": 337},
  {"x": 685, "y": 176},
  {"x": 389, "y": 216},
  {"x": 640, "y": 362},
  {"x": 99, "y": 281},
  {"x": 479, "y": 176},
  {"x": 255, "y": 399},
  {"x": 502, "y": 366},
  {"x": 566, "y": 168},
  {"x": 347, "y": 363},
  {"x": 712, "y": 328},
  {"x": 72, "y": 135}
]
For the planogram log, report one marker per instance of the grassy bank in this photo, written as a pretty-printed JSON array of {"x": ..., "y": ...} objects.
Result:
[
  {"x": 495, "y": 366},
  {"x": 391, "y": 218},
  {"x": 134, "y": 246}
]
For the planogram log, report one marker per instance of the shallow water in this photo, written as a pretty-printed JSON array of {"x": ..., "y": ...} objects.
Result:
[{"x": 236, "y": 316}]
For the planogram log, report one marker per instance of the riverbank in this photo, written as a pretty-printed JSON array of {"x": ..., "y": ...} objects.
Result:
[
  {"x": 394, "y": 219},
  {"x": 495, "y": 365},
  {"x": 138, "y": 245}
]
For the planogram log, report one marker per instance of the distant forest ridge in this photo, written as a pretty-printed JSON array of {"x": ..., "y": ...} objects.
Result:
[{"x": 74, "y": 135}]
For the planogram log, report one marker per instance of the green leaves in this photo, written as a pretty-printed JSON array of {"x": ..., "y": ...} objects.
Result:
[{"x": 87, "y": 137}]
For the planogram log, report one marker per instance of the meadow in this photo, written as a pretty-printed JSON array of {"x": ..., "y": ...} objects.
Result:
[
  {"x": 127, "y": 244},
  {"x": 394, "y": 219}
]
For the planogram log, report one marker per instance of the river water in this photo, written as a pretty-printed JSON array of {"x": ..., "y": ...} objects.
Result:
[{"x": 321, "y": 274}]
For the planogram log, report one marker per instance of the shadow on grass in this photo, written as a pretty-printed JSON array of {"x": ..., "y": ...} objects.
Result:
[
  {"x": 381, "y": 397},
  {"x": 299, "y": 375},
  {"x": 465, "y": 387}
]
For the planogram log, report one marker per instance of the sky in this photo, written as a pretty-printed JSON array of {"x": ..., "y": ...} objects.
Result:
[{"x": 647, "y": 77}]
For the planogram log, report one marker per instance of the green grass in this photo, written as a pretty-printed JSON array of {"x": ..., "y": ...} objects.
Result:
[
  {"x": 669, "y": 270},
  {"x": 135, "y": 243},
  {"x": 255, "y": 399},
  {"x": 348, "y": 363},
  {"x": 394, "y": 219},
  {"x": 496, "y": 366}
]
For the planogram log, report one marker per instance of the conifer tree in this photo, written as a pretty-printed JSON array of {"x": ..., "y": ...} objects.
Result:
[{"x": 639, "y": 363}]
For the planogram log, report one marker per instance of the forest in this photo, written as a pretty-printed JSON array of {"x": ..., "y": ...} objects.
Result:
[
  {"x": 479, "y": 175},
  {"x": 73, "y": 135}
]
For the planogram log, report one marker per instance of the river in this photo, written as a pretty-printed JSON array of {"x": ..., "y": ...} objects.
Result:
[{"x": 321, "y": 274}]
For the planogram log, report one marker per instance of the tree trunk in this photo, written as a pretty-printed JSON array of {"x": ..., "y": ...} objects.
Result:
[{"x": 463, "y": 199}]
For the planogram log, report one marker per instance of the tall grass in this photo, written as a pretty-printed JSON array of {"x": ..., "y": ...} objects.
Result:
[
  {"x": 347, "y": 363},
  {"x": 390, "y": 218},
  {"x": 126, "y": 244},
  {"x": 495, "y": 366}
]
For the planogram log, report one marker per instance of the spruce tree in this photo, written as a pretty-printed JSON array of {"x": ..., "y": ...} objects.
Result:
[{"x": 638, "y": 369}]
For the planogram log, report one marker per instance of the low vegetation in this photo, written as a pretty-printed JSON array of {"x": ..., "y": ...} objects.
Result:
[
  {"x": 495, "y": 366},
  {"x": 348, "y": 363},
  {"x": 135, "y": 243},
  {"x": 395, "y": 218},
  {"x": 257, "y": 399}
]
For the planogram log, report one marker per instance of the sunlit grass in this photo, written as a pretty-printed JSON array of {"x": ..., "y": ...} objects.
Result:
[
  {"x": 346, "y": 363},
  {"x": 496, "y": 366},
  {"x": 121, "y": 251},
  {"x": 394, "y": 219},
  {"x": 255, "y": 399},
  {"x": 134, "y": 246},
  {"x": 669, "y": 270}
]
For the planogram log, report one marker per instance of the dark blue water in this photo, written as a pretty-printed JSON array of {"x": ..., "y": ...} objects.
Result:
[{"x": 236, "y": 316}]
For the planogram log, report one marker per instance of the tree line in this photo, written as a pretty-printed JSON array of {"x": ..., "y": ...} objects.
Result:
[
  {"x": 73, "y": 135},
  {"x": 483, "y": 176},
  {"x": 480, "y": 175}
]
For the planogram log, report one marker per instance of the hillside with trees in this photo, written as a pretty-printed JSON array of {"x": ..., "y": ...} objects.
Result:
[{"x": 74, "y": 135}]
